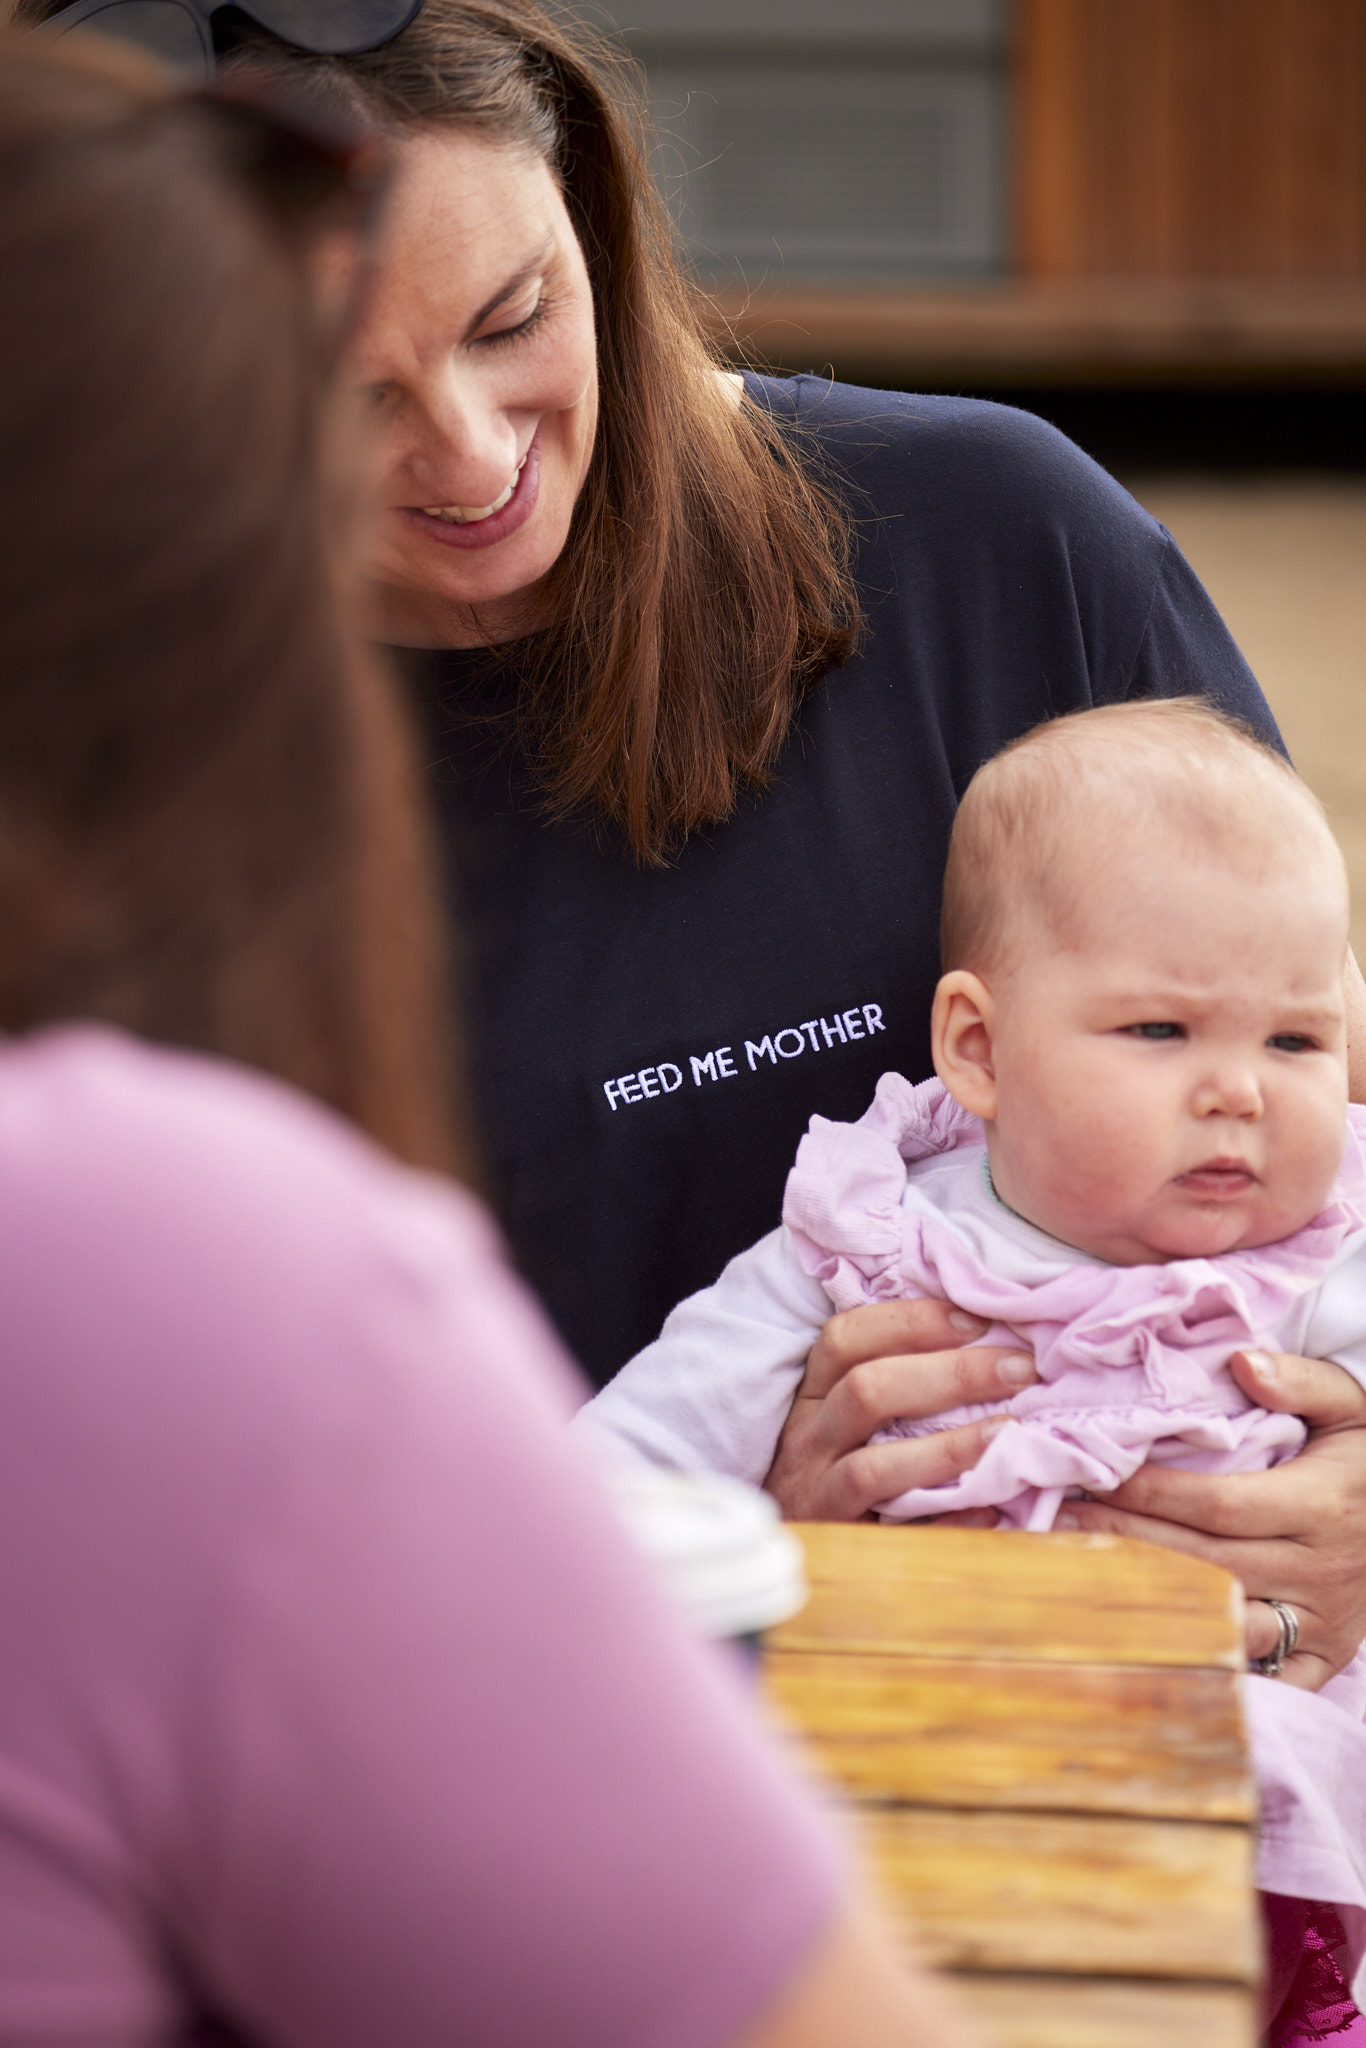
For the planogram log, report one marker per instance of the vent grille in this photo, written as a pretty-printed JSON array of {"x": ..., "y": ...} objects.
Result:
[{"x": 786, "y": 171}]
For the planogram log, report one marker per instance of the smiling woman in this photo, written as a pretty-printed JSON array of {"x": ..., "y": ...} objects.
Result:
[{"x": 671, "y": 576}]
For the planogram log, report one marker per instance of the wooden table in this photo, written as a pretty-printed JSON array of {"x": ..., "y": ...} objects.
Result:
[{"x": 1042, "y": 1738}]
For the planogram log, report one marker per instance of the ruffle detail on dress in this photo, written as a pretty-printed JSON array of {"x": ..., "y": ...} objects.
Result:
[{"x": 843, "y": 1201}]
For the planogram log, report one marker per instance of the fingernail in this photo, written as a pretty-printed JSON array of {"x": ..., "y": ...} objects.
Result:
[
  {"x": 995, "y": 1426},
  {"x": 1065, "y": 1519},
  {"x": 1018, "y": 1369},
  {"x": 1263, "y": 1367},
  {"x": 970, "y": 1326}
]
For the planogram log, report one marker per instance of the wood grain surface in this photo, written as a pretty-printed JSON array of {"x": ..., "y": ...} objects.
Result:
[
  {"x": 1117, "y": 1739},
  {"x": 1072, "y": 2012},
  {"x": 982, "y": 1596},
  {"x": 1068, "y": 1893}
]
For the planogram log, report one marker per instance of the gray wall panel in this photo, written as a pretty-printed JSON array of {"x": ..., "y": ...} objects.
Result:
[
  {"x": 793, "y": 173},
  {"x": 838, "y": 140},
  {"x": 956, "y": 24}
]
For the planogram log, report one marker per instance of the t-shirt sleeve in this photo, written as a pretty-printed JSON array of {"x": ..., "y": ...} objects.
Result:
[
  {"x": 469, "y": 1780},
  {"x": 1187, "y": 650}
]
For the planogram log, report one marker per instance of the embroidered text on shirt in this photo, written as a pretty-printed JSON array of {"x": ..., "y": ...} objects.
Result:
[{"x": 818, "y": 1034}]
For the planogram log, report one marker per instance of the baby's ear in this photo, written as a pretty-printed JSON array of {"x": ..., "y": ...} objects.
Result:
[{"x": 960, "y": 1032}]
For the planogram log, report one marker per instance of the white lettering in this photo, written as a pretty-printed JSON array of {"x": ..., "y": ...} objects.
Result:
[{"x": 720, "y": 1065}]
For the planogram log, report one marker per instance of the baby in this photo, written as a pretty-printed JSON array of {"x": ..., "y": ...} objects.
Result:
[{"x": 1138, "y": 1158}]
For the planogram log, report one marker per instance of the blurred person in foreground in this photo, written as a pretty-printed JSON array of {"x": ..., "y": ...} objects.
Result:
[{"x": 332, "y": 1708}]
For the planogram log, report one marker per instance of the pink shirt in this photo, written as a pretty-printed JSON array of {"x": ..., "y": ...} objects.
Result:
[{"x": 330, "y": 1698}]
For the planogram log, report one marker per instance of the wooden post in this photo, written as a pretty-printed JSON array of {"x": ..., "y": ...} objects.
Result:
[{"x": 1191, "y": 138}]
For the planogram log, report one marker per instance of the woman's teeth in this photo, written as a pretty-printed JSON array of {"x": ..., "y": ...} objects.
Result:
[{"x": 466, "y": 515}]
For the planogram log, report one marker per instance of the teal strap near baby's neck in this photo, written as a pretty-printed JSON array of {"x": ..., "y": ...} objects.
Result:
[{"x": 1000, "y": 1200}]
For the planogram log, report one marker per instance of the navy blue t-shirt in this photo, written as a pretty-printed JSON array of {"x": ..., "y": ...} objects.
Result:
[{"x": 648, "y": 1044}]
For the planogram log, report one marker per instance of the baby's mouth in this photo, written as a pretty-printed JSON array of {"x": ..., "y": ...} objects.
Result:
[
  {"x": 470, "y": 515},
  {"x": 1215, "y": 1177}
]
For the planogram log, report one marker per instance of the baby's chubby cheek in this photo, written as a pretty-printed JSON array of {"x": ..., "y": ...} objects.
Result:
[{"x": 1073, "y": 1178}]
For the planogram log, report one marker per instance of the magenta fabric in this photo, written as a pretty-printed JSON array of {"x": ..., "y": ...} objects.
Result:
[
  {"x": 330, "y": 1697},
  {"x": 1305, "y": 1997},
  {"x": 1131, "y": 1359}
]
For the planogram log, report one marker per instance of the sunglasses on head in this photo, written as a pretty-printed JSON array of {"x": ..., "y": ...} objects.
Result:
[{"x": 181, "y": 31}]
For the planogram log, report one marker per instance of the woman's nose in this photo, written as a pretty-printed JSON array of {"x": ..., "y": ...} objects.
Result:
[{"x": 466, "y": 451}]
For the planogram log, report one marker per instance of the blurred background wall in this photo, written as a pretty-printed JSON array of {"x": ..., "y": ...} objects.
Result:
[{"x": 1144, "y": 219}]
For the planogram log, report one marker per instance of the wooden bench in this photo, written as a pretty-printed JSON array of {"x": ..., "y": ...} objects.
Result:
[{"x": 1042, "y": 1739}]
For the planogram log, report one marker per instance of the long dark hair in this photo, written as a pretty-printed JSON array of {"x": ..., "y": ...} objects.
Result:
[
  {"x": 706, "y": 578},
  {"x": 209, "y": 827}
]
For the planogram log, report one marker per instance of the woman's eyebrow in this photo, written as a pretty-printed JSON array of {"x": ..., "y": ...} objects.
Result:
[{"x": 512, "y": 287}]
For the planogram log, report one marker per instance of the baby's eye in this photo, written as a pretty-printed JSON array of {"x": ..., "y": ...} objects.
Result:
[
  {"x": 1155, "y": 1030},
  {"x": 1291, "y": 1041}
]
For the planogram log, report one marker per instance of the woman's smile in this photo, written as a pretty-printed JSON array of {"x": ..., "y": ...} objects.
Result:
[{"x": 464, "y": 526}]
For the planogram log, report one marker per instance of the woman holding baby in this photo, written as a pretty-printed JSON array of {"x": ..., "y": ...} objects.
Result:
[{"x": 706, "y": 665}]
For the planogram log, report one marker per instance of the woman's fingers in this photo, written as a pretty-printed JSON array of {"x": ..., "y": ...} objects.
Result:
[
  {"x": 886, "y": 1329},
  {"x": 880, "y": 1390},
  {"x": 1256, "y": 1563},
  {"x": 863, "y": 1479},
  {"x": 1214, "y": 1504},
  {"x": 1304, "y": 1668},
  {"x": 1324, "y": 1394},
  {"x": 868, "y": 1368}
]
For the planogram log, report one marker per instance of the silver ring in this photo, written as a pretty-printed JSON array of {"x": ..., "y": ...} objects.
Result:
[{"x": 1288, "y": 1622}]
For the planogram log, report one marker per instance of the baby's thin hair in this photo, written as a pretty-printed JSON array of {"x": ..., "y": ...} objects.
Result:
[{"x": 1173, "y": 764}]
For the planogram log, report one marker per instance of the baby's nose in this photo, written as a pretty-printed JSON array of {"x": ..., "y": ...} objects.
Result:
[{"x": 1232, "y": 1089}]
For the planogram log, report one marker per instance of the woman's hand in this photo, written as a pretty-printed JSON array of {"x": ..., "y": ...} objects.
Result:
[
  {"x": 1296, "y": 1533},
  {"x": 867, "y": 1367}
]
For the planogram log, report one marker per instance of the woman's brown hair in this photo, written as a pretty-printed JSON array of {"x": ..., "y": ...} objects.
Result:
[
  {"x": 208, "y": 826},
  {"x": 706, "y": 577}
]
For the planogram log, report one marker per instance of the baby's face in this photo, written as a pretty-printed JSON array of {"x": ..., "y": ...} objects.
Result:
[{"x": 1174, "y": 1083}]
